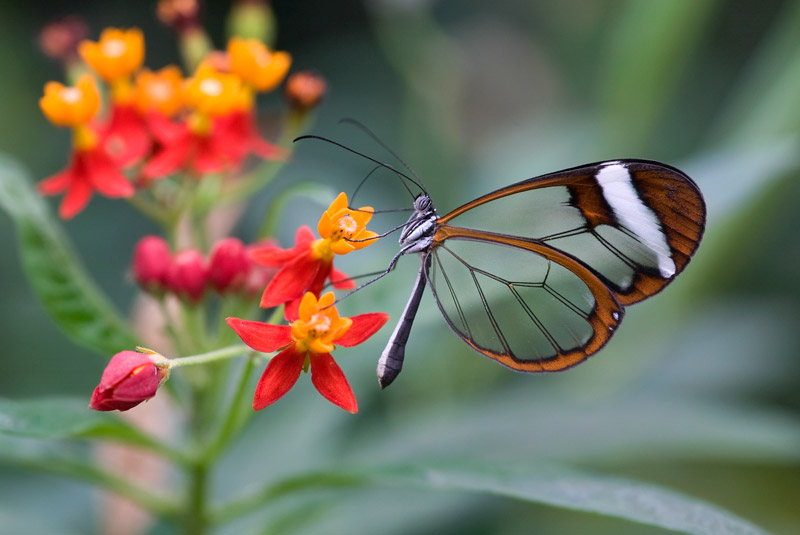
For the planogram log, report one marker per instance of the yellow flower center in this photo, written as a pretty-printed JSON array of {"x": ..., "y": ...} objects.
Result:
[
  {"x": 199, "y": 123},
  {"x": 71, "y": 95},
  {"x": 211, "y": 87},
  {"x": 319, "y": 324},
  {"x": 345, "y": 228},
  {"x": 113, "y": 48},
  {"x": 321, "y": 249}
]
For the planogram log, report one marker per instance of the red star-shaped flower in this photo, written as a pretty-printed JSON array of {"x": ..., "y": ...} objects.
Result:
[
  {"x": 304, "y": 344},
  {"x": 306, "y": 266}
]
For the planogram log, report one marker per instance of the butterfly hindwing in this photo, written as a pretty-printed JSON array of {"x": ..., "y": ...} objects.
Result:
[{"x": 524, "y": 304}]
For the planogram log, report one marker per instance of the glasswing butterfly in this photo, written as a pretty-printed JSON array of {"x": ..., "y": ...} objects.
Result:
[{"x": 536, "y": 275}]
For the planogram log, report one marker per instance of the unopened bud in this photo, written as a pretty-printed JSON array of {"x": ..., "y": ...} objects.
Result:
[
  {"x": 180, "y": 15},
  {"x": 188, "y": 275},
  {"x": 59, "y": 39},
  {"x": 252, "y": 19},
  {"x": 304, "y": 90},
  {"x": 151, "y": 264},
  {"x": 129, "y": 379},
  {"x": 229, "y": 265}
]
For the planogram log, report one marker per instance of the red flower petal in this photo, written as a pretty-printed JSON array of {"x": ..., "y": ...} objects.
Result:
[
  {"x": 364, "y": 326},
  {"x": 341, "y": 281},
  {"x": 279, "y": 377},
  {"x": 126, "y": 138},
  {"x": 58, "y": 182},
  {"x": 104, "y": 174},
  {"x": 270, "y": 256},
  {"x": 330, "y": 381},
  {"x": 169, "y": 159},
  {"x": 291, "y": 281},
  {"x": 208, "y": 158},
  {"x": 303, "y": 236},
  {"x": 267, "y": 150},
  {"x": 76, "y": 199},
  {"x": 292, "y": 310},
  {"x": 263, "y": 337},
  {"x": 164, "y": 130}
]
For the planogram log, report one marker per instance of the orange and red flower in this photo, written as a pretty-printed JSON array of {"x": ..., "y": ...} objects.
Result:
[
  {"x": 260, "y": 70},
  {"x": 90, "y": 168},
  {"x": 306, "y": 266},
  {"x": 304, "y": 344},
  {"x": 115, "y": 57},
  {"x": 197, "y": 144}
]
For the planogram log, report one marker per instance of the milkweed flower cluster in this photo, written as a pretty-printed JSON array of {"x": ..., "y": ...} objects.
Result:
[
  {"x": 236, "y": 319},
  {"x": 158, "y": 123},
  {"x": 177, "y": 143}
]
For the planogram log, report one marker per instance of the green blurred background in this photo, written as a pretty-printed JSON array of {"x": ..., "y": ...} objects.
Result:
[{"x": 699, "y": 390}]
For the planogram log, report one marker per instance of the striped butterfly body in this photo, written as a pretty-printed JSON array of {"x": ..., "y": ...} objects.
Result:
[{"x": 536, "y": 275}]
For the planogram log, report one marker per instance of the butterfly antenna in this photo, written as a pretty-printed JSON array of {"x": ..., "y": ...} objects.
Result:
[
  {"x": 364, "y": 128},
  {"x": 373, "y": 160}
]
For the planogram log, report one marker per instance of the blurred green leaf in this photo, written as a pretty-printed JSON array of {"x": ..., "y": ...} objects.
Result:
[
  {"x": 545, "y": 484},
  {"x": 765, "y": 103},
  {"x": 651, "y": 44},
  {"x": 57, "y": 459},
  {"x": 75, "y": 303},
  {"x": 60, "y": 418}
]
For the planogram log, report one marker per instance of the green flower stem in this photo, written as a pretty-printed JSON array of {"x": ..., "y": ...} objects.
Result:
[
  {"x": 195, "y": 519},
  {"x": 233, "y": 417},
  {"x": 169, "y": 327},
  {"x": 149, "y": 209},
  {"x": 194, "y": 325},
  {"x": 211, "y": 356}
]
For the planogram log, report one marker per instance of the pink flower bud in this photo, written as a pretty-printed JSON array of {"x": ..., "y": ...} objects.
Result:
[
  {"x": 229, "y": 265},
  {"x": 188, "y": 275},
  {"x": 257, "y": 279},
  {"x": 129, "y": 379},
  {"x": 151, "y": 263}
]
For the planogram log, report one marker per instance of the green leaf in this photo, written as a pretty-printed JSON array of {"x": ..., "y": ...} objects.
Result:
[
  {"x": 61, "y": 418},
  {"x": 64, "y": 461},
  {"x": 652, "y": 42},
  {"x": 72, "y": 299},
  {"x": 545, "y": 484}
]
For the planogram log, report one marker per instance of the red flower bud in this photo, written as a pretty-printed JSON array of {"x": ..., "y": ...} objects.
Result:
[
  {"x": 59, "y": 38},
  {"x": 129, "y": 379},
  {"x": 229, "y": 265},
  {"x": 304, "y": 90},
  {"x": 151, "y": 263},
  {"x": 188, "y": 275}
]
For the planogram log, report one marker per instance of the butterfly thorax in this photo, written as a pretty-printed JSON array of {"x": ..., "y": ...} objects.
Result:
[{"x": 417, "y": 234}]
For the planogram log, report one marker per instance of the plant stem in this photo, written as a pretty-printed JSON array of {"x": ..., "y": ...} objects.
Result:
[
  {"x": 149, "y": 209},
  {"x": 233, "y": 416},
  {"x": 211, "y": 356},
  {"x": 195, "y": 520}
]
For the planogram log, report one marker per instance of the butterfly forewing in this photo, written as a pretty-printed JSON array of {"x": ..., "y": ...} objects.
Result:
[
  {"x": 634, "y": 223},
  {"x": 528, "y": 310}
]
